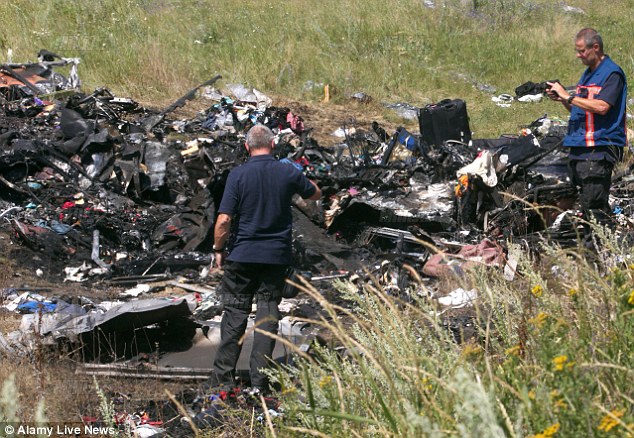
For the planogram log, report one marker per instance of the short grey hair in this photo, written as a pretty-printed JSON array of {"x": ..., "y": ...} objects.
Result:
[
  {"x": 590, "y": 37},
  {"x": 260, "y": 137}
]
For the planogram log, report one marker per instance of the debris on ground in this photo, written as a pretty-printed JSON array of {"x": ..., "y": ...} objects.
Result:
[{"x": 96, "y": 188}]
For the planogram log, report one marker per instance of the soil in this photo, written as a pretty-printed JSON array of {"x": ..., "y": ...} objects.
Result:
[{"x": 325, "y": 118}]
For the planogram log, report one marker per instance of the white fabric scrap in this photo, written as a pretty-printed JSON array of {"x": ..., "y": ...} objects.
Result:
[
  {"x": 342, "y": 132},
  {"x": 531, "y": 98},
  {"x": 483, "y": 167},
  {"x": 459, "y": 298},
  {"x": 136, "y": 290},
  {"x": 503, "y": 100}
]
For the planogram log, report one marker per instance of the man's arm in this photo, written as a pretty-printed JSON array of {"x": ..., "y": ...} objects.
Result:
[
  {"x": 221, "y": 234},
  {"x": 596, "y": 106},
  {"x": 317, "y": 195}
]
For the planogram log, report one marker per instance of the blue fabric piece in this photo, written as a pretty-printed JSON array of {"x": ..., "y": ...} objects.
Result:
[
  {"x": 258, "y": 197},
  {"x": 407, "y": 139},
  {"x": 55, "y": 226},
  {"x": 210, "y": 123},
  {"x": 60, "y": 228},
  {"x": 35, "y": 306},
  {"x": 292, "y": 163}
]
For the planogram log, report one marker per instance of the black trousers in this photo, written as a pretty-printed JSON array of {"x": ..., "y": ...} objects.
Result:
[
  {"x": 241, "y": 284},
  {"x": 593, "y": 178}
]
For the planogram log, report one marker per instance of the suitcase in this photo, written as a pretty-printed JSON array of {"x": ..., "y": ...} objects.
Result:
[{"x": 445, "y": 120}]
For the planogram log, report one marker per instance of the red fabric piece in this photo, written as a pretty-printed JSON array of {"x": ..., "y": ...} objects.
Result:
[
  {"x": 296, "y": 122},
  {"x": 486, "y": 252}
]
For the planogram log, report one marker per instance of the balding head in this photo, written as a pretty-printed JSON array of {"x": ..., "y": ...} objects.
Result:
[{"x": 260, "y": 138}]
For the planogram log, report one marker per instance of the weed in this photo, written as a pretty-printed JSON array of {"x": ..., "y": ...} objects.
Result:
[{"x": 545, "y": 361}]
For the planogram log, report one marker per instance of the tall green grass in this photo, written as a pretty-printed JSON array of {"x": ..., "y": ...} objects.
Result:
[
  {"x": 393, "y": 50},
  {"x": 552, "y": 356}
]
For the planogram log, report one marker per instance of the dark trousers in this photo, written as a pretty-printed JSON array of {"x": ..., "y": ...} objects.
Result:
[
  {"x": 241, "y": 283},
  {"x": 593, "y": 178}
]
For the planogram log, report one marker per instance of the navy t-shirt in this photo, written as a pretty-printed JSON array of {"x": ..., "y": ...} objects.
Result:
[
  {"x": 258, "y": 197},
  {"x": 610, "y": 93}
]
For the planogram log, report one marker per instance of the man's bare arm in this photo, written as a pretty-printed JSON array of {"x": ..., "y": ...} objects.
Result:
[
  {"x": 596, "y": 106},
  {"x": 221, "y": 233}
]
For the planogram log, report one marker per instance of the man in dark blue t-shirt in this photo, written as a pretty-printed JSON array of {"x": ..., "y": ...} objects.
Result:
[
  {"x": 596, "y": 130},
  {"x": 257, "y": 201}
]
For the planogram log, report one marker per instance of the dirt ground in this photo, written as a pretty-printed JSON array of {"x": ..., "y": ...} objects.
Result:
[{"x": 325, "y": 118}]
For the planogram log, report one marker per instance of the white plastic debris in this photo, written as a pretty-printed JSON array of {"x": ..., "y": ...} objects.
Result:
[
  {"x": 531, "y": 98},
  {"x": 459, "y": 298},
  {"x": 136, "y": 290},
  {"x": 503, "y": 100},
  {"x": 342, "y": 132},
  {"x": 573, "y": 10},
  {"x": 510, "y": 268}
]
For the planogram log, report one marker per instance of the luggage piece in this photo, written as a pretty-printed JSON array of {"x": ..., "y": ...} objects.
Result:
[
  {"x": 445, "y": 120},
  {"x": 532, "y": 88}
]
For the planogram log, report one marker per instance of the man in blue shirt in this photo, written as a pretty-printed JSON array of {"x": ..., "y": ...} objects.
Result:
[
  {"x": 257, "y": 202},
  {"x": 596, "y": 130}
]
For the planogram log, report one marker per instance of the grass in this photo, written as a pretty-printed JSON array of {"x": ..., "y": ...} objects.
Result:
[
  {"x": 552, "y": 355},
  {"x": 395, "y": 51}
]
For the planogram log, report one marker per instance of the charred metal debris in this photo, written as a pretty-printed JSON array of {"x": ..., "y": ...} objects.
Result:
[{"x": 95, "y": 187}]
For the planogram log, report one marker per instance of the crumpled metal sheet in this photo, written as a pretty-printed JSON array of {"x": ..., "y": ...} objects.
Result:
[{"x": 121, "y": 318}]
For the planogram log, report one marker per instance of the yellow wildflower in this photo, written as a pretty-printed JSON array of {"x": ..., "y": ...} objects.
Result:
[
  {"x": 532, "y": 394},
  {"x": 554, "y": 393},
  {"x": 610, "y": 420},
  {"x": 537, "y": 291},
  {"x": 289, "y": 390},
  {"x": 548, "y": 432},
  {"x": 560, "y": 404},
  {"x": 539, "y": 320},
  {"x": 551, "y": 430},
  {"x": 513, "y": 351},
  {"x": 630, "y": 300},
  {"x": 560, "y": 362},
  {"x": 572, "y": 292},
  {"x": 325, "y": 381},
  {"x": 426, "y": 385},
  {"x": 471, "y": 349}
]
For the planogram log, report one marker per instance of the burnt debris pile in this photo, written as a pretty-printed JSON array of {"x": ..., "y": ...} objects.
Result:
[
  {"x": 111, "y": 190},
  {"x": 97, "y": 187}
]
